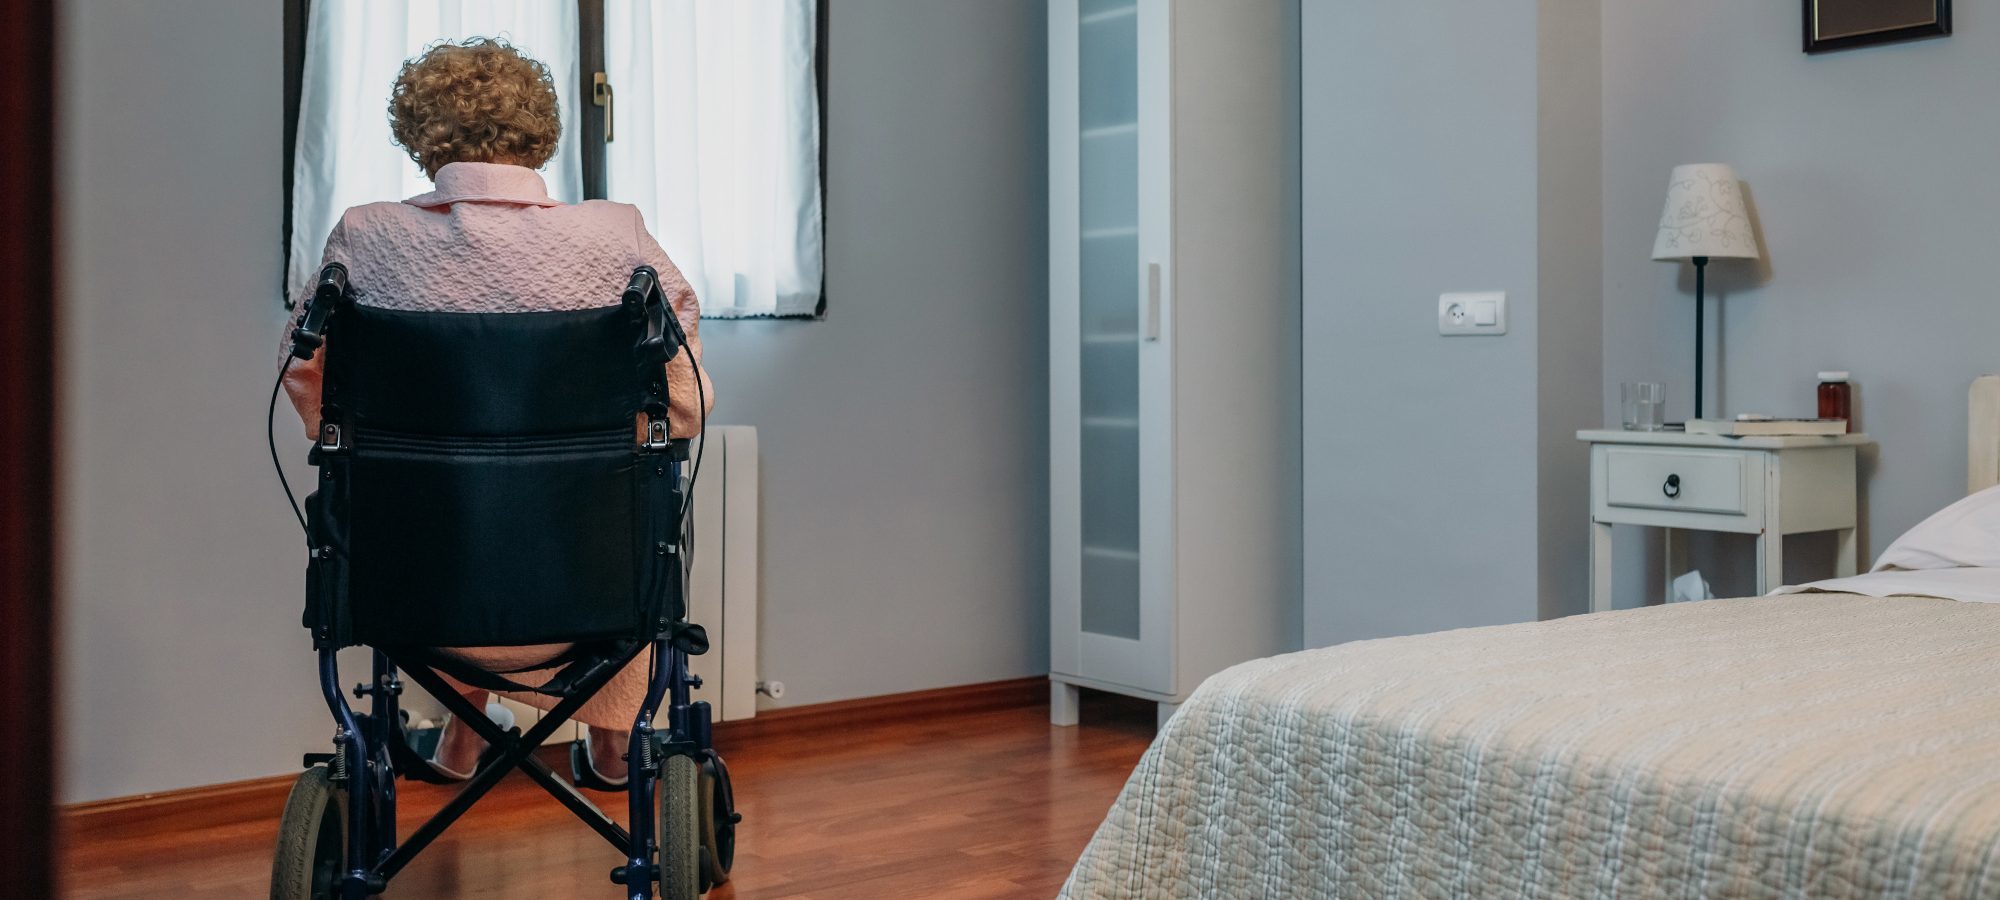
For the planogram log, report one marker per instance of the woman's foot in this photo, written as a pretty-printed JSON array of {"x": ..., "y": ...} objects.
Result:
[
  {"x": 607, "y": 753},
  {"x": 459, "y": 747}
]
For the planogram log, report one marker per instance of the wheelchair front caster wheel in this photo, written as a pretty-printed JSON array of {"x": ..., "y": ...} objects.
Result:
[
  {"x": 309, "y": 860},
  {"x": 680, "y": 829}
]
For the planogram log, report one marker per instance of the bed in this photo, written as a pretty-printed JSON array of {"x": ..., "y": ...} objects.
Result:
[{"x": 1823, "y": 743}]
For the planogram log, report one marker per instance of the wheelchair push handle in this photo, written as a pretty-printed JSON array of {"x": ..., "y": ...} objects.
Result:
[
  {"x": 311, "y": 333},
  {"x": 640, "y": 288},
  {"x": 664, "y": 337}
]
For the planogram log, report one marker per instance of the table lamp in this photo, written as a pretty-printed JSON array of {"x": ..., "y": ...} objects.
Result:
[{"x": 1704, "y": 219}]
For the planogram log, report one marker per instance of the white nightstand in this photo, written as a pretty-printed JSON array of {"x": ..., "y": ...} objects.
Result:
[{"x": 1766, "y": 486}]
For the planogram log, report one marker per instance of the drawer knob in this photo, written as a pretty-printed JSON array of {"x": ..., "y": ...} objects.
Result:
[{"x": 1673, "y": 486}]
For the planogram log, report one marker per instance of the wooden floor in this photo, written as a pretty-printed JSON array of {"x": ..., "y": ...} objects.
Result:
[{"x": 962, "y": 805}]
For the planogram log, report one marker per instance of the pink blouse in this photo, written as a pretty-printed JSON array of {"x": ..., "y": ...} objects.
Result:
[{"x": 490, "y": 239}]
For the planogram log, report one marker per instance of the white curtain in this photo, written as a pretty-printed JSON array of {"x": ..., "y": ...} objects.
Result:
[
  {"x": 716, "y": 128},
  {"x": 716, "y": 140},
  {"x": 354, "y": 48}
]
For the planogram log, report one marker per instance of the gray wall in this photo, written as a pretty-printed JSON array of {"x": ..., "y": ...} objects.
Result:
[
  {"x": 904, "y": 489},
  {"x": 1434, "y": 161},
  {"x": 1872, "y": 174},
  {"x": 1569, "y": 312},
  {"x": 184, "y": 661},
  {"x": 1423, "y": 159},
  {"x": 905, "y": 476}
]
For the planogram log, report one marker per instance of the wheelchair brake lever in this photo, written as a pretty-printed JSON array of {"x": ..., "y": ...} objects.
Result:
[
  {"x": 311, "y": 333},
  {"x": 664, "y": 337},
  {"x": 662, "y": 340}
]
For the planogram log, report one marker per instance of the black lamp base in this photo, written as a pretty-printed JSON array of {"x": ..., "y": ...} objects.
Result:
[{"x": 1700, "y": 335}]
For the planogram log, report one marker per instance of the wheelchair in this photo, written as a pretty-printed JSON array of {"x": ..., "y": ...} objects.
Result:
[{"x": 499, "y": 479}]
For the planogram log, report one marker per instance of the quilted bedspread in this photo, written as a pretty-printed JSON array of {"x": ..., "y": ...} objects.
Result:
[{"x": 1800, "y": 746}]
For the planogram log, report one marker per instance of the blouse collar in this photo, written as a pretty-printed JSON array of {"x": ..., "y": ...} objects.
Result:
[{"x": 485, "y": 182}]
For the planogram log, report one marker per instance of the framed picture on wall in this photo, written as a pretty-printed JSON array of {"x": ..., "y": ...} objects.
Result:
[{"x": 1840, "y": 24}]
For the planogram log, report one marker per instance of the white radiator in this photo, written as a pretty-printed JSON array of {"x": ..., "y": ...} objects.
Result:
[
  {"x": 723, "y": 592},
  {"x": 722, "y": 595}
]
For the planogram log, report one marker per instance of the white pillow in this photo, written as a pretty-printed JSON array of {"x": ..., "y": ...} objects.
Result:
[{"x": 1966, "y": 533}]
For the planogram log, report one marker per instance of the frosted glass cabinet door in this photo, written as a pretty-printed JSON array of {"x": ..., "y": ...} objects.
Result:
[
  {"x": 1103, "y": 331},
  {"x": 1108, "y": 311}
]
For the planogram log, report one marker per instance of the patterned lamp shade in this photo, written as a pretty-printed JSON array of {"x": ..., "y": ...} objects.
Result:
[{"x": 1705, "y": 216}]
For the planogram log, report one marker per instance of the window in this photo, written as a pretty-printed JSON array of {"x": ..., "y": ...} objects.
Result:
[{"x": 709, "y": 121}]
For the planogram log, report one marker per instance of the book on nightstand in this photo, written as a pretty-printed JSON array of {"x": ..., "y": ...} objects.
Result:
[{"x": 1762, "y": 427}]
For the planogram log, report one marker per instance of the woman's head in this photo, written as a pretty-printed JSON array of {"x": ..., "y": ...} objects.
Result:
[{"x": 479, "y": 100}]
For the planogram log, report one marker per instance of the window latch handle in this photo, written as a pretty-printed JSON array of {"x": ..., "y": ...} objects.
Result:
[{"x": 600, "y": 95}]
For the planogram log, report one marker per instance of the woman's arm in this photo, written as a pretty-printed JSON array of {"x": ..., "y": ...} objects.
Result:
[
  {"x": 302, "y": 380},
  {"x": 684, "y": 419}
]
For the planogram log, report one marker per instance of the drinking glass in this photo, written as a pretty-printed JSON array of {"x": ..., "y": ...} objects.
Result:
[{"x": 1644, "y": 405}]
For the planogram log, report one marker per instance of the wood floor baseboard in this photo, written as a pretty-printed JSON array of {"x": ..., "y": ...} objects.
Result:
[
  {"x": 237, "y": 800},
  {"x": 990, "y": 696},
  {"x": 208, "y": 803}
]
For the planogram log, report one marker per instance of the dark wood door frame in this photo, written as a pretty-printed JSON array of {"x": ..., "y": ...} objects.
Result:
[{"x": 27, "y": 470}]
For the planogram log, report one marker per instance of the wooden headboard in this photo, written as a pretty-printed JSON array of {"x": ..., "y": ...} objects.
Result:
[{"x": 1982, "y": 434}]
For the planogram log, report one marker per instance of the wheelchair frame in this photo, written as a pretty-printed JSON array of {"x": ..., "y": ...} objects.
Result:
[
  {"x": 363, "y": 767},
  {"x": 373, "y": 855}
]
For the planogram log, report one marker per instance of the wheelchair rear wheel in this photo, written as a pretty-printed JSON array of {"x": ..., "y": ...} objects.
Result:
[
  {"x": 718, "y": 824},
  {"x": 309, "y": 860},
  {"x": 680, "y": 829}
]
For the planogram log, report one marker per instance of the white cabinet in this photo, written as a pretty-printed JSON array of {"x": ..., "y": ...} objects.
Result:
[{"x": 1174, "y": 342}]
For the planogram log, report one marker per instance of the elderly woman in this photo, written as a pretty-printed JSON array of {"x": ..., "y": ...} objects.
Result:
[{"x": 480, "y": 118}]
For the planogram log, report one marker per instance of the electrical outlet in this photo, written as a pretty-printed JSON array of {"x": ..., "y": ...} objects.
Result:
[{"x": 1472, "y": 314}]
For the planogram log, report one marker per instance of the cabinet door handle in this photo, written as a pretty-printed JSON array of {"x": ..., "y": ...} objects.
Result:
[
  {"x": 1152, "y": 301},
  {"x": 1673, "y": 486}
]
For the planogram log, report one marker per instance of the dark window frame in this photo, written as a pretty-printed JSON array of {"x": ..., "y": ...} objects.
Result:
[
  {"x": 590, "y": 116},
  {"x": 1940, "y": 26}
]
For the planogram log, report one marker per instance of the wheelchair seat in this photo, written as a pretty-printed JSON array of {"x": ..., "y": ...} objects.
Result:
[{"x": 488, "y": 480}]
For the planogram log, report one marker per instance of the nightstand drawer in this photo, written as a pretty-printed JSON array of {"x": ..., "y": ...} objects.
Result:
[{"x": 1691, "y": 480}]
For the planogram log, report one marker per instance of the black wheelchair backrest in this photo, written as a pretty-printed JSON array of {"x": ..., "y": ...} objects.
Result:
[
  {"x": 489, "y": 374},
  {"x": 484, "y": 482}
]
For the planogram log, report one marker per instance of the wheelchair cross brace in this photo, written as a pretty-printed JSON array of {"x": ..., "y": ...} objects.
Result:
[
  {"x": 513, "y": 751},
  {"x": 372, "y": 853}
]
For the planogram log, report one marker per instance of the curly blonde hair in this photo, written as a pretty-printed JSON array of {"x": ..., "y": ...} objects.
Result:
[{"x": 479, "y": 100}]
